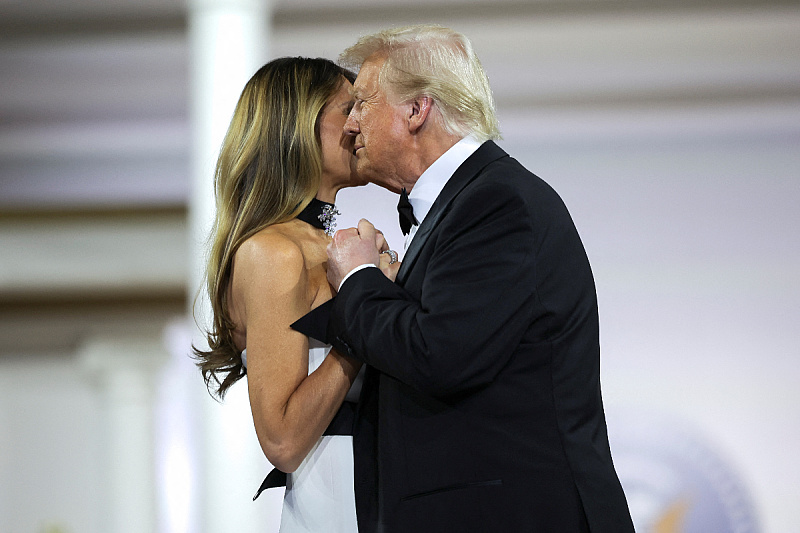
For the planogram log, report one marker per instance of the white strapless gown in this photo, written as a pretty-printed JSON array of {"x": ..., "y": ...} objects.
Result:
[{"x": 319, "y": 494}]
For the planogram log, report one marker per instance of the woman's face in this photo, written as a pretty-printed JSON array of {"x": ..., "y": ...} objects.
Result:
[{"x": 338, "y": 161}]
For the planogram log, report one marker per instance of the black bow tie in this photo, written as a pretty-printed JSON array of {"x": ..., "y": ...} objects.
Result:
[{"x": 406, "y": 212}]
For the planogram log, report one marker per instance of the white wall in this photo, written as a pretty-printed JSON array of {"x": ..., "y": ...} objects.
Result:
[{"x": 50, "y": 446}]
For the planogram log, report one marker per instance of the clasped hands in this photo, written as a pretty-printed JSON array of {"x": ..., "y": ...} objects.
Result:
[{"x": 353, "y": 247}]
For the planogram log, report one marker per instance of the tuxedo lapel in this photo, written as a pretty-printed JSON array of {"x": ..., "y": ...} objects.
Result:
[{"x": 463, "y": 175}]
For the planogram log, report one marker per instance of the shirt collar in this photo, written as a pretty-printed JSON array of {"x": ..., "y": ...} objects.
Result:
[{"x": 433, "y": 180}]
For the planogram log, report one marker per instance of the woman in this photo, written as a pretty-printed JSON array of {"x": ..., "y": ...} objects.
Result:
[{"x": 283, "y": 160}]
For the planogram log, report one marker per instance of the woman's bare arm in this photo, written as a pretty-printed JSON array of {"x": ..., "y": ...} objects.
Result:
[{"x": 291, "y": 409}]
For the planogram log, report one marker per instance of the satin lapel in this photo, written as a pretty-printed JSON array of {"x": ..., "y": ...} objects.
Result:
[{"x": 463, "y": 175}]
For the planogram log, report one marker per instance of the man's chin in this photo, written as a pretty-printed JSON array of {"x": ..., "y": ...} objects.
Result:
[
  {"x": 370, "y": 175},
  {"x": 391, "y": 187}
]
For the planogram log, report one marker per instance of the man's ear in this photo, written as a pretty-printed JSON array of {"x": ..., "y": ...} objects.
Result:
[{"x": 420, "y": 109}]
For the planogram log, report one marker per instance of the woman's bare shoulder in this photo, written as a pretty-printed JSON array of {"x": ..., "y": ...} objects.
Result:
[
  {"x": 270, "y": 247},
  {"x": 269, "y": 261}
]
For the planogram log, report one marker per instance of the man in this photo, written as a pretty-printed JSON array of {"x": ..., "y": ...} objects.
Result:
[{"x": 481, "y": 408}]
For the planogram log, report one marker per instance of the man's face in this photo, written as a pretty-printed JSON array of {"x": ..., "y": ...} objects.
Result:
[{"x": 379, "y": 127}]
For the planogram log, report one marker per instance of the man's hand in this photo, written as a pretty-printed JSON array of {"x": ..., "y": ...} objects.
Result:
[
  {"x": 388, "y": 268},
  {"x": 352, "y": 247}
]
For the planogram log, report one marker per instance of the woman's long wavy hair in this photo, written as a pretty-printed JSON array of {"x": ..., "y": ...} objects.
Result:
[{"x": 269, "y": 169}]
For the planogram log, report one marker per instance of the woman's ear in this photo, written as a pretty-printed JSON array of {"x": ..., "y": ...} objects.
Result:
[{"x": 420, "y": 109}]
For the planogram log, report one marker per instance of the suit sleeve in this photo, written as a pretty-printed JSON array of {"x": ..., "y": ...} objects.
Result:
[{"x": 472, "y": 310}]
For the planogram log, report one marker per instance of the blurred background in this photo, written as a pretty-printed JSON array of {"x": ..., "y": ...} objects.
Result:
[{"x": 671, "y": 128}]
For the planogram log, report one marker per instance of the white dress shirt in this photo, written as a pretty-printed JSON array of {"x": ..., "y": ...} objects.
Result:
[{"x": 429, "y": 185}]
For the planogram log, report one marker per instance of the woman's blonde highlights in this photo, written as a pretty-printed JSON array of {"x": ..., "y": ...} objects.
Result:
[{"x": 268, "y": 170}]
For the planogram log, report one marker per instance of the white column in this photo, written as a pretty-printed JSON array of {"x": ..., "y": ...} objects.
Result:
[
  {"x": 228, "y": 43},
  {"x": 126, "y": 369}
]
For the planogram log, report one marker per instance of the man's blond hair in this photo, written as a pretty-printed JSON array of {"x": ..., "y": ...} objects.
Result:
[{"x": 434, "y": 61}]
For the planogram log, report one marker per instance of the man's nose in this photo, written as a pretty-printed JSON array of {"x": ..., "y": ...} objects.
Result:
[{"x": 351, "y": 125}]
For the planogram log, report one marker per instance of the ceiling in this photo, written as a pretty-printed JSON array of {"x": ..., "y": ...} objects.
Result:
[{"x": 93, "y": 94}]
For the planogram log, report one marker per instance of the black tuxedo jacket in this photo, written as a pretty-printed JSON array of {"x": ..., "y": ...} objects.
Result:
[{"x": 481, "y": 407}]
